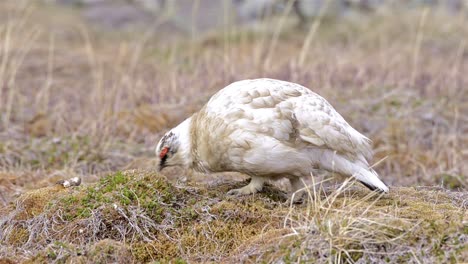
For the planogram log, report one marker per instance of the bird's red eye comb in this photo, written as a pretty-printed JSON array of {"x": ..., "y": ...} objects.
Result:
[{"x": 163, "y": 152}]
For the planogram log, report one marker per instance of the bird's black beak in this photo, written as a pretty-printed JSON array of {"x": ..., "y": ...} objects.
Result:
[{"x": 162, "y": 164}]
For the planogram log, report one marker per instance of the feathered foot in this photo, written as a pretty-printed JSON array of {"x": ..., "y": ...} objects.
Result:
[
  {"x": 255, "y": 185},
  {"x": 298, "y": 192}
]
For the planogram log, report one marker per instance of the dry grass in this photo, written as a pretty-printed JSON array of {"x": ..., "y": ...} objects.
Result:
[
  {"x": 76, "y": 101},
  {"x": 140, "y": 216}
]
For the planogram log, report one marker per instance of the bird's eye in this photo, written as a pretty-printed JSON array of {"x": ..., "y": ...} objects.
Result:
[{"x": 163, "y": 152}]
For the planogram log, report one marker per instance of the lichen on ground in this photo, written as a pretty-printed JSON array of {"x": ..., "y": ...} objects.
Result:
[{"x": 141, "y": 216}]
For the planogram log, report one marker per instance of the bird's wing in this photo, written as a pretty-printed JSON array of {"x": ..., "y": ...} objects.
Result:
[
  {"x": 260, "y": 104},
  {"x": 320, "y": 125}
]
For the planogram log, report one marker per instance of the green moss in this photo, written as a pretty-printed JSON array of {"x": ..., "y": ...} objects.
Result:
[
  {"x": 123, "y": 190},
  {"x": 109, "y": 183}
]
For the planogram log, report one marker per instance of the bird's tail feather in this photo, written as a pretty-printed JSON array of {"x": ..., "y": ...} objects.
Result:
[
  {"x": 369, "y": 178},
  {"x": 358, "y": 169}
]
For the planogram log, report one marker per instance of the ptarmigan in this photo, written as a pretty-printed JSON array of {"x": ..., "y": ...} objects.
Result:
[{"x": 268, "y": 129}]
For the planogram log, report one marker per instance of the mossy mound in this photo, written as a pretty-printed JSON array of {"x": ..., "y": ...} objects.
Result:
[
  {"x": 153, "y": 218},
  {"x": 430, "y": 226},
  {"x": 139, "y": 216}
]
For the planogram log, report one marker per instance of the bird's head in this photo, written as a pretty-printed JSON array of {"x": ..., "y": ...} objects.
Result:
[{"x": 174, "y": 147}]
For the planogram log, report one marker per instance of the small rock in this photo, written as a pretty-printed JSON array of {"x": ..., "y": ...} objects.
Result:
[{"x": 75, "y": 181}]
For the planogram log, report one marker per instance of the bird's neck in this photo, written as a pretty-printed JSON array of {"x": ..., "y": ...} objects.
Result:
[{"x": 185, "y": 147}]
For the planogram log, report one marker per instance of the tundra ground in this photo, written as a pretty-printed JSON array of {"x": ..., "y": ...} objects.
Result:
[{"x": 76, "y": 100}]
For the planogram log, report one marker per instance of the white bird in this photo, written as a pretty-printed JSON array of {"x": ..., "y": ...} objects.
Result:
[{"x": 268, "y": 129}]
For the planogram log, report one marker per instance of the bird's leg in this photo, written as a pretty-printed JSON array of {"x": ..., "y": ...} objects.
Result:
[
  {"x": 297, "y": 185},
  {"x": 255, "y": 185}
]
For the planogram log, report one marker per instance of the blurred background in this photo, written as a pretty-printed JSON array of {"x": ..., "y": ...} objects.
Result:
[
  {"x": 186, "y": 16},
  {"x": 89, "y": 86}
]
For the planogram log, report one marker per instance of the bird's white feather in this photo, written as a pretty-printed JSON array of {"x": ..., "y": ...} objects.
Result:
[{"x": 271, "y": 129}]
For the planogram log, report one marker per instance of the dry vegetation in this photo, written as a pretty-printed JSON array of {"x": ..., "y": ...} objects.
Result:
[{"x": 75, "y": 100}]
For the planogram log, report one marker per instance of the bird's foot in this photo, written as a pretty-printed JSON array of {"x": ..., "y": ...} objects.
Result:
[
  {"x": 255, "y": 185},
  {"x": 297, "y": 197},
  {"x": 299, "y": 193},
  {"x": 241, "y": 191}
]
